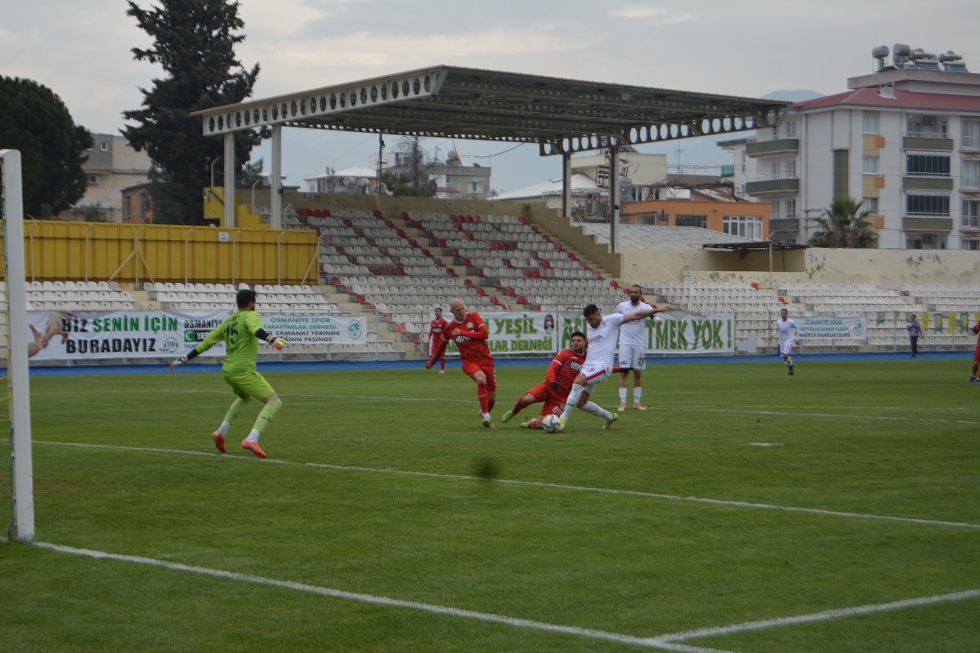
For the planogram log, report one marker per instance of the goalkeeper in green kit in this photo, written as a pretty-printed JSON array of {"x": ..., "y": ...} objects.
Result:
[{"x": 242, "y": 331}]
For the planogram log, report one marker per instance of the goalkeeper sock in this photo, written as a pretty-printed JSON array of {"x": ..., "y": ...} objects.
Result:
[
  {"x": 232, "y": 415},
  {"x": 265, "y": 418}
]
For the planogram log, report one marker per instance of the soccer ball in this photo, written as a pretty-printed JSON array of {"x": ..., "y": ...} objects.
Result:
[{"x": 551, "y": 424}]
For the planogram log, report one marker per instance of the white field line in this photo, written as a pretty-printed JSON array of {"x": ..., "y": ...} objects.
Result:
[
  {"x": 669, "y": 642},
  {"x": 383, "y": 600},
  {"x": 538, "y": 484},
  {"x": 817, "y": 616}
]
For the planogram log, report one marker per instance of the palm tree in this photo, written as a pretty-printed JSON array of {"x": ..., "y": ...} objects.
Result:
[{"x": 844, "y": 225}]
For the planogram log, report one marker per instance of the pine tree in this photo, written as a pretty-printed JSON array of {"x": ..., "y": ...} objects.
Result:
[
  {"x": 194, "y": 42},
  {"x": 36, "y": 122}
]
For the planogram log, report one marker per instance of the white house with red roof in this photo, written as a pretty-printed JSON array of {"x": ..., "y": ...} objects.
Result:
[{"x": 904, "y": 140}]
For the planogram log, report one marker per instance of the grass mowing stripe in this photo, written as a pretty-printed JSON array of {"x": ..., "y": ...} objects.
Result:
[
  {"x": 378, "y": 600},
  {"x": 824, "y": 415},
  {"x": 554, "y": 486},
  {"x": 826, "y": 615}
]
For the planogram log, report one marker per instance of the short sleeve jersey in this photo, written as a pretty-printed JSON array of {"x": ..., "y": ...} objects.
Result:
[
  {"x": 785, "y": 329},
  {"x": 238, "y": 332},
  {"x": 563, "y": 370},
  {"x": 436, "y": 326},
  {"x": 633, "y": 333},
  {"x": 603, "y": 339},
  {"x": 471, "y": 350}
]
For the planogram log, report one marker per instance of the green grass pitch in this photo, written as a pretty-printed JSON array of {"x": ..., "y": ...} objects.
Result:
[{"x": 835, "y": 510}]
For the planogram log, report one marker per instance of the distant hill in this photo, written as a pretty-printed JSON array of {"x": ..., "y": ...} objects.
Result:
[{"x": 799, "y": 95}]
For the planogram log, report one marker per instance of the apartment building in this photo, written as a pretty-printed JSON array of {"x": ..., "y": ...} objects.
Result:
[{"x": 904, "y": 140}]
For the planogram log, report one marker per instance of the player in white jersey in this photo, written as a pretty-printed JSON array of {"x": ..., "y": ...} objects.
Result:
[
  {"x": 603, "y": 334},
  {"x": 633, "y": 347},
  {"x": 789, "y": 335}
]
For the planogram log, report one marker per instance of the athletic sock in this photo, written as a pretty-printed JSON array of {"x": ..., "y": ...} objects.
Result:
[
  {"x": 265, "y": 418},
  {"x": 573, "y": 397},
  {"x": 595, "y": 409},
  {"x": 637, "y": 393},
  {"x": 789, "y": 361},
  {"x": 622, "y": 396},
  {"x": 483, "y": 396},
  {"x": 518, "y": 407},
  {"x": 232, "y": 414}
]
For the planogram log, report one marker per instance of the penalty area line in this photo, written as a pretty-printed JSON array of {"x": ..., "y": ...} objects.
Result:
[
  {"x": 385, "y": 601},
  {"x": 539, "y": 484},
  {"x": 826, "y": 615}
]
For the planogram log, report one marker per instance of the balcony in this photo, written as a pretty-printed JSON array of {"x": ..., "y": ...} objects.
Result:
[
  {"x": 784, "y": 224},
  {"x": 773, "y": 146},
  {"x": 927, "y": 183},
  {"x": 927, "y": 223},
  {"x": 772, "y": 186},
  {"x": 923, "y": 140}
]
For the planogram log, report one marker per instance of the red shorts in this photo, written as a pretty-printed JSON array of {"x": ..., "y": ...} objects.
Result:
[
  {"x": 540, "y": 392},
  {"x": 553, "y": 406},
  {"x": 976, "y": 354},
  {"x": 482, "y": 366}
]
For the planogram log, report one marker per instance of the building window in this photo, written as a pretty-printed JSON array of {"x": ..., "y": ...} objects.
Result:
[
  {"x": 474, "y": 186},
  {"x": 971, "y": 174},
  {"x": 742, "y": 157},
  {"x": 971, "y": 135},
  {"x": 791, "y": 129},
  {"x": 748, "y": 226},
  {"x": 869, "y": 123},
  {"x": 927, "y": 165},
  {"x": 869, "y": 165},
  {"x": 870, "y": 204},
  {"x": 971, "y": 212},
  {"x": 700, "y": 221},
  {"x": 932, "y": 206},
  {"x": 104, "y": 146},
  {"x": 790, "y": 168},
  {"x": 791, "y": 208},
  {"x": 971, "y": 245}
]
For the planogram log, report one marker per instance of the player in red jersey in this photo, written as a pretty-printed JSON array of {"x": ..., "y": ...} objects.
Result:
[
  {"x": 557, "y": 384},
  {"x": 470, "y": 333},
  {"x": 976, "y": 357},
  {"x": 436, "y": 327}
]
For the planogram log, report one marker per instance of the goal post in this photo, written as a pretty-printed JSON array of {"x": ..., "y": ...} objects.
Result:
[{"x": 18, "y": 379}]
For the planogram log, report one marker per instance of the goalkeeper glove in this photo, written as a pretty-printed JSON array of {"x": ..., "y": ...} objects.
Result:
[
  {"x": 177, "y": 363},
  {"x": 275, "y": 341}
]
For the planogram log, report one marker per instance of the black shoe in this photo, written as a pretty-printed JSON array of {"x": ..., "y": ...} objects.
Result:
[{"x": 791, "y": 370}]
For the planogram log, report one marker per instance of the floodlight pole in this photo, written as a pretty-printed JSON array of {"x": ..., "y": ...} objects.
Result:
[{"x": 18, "y": 377}]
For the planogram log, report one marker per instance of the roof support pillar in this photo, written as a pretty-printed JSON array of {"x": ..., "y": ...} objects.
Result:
[
  {"x": 614, "y": 198},
  {"x": 566, "y": 184},
  {"x": 230, "y": 200},
  {"x": 275, "y": 201}
]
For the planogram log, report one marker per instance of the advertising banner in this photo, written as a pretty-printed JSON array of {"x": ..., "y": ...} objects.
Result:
[
  {"x": 681, "y": 333},
  {"x": 85, "y": 336},
  {"x": 519, "y": 332},
  {"x": 832, "y": 328}
]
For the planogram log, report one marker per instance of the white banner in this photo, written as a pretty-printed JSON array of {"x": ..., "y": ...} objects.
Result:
[
  {"x": 832, "y": 328},
  {"x": 681, "y": 333},
  {"x": 518, "y": 332},
  {"x": 318, "y": 329},
  {"x": 63, "y": 336}
]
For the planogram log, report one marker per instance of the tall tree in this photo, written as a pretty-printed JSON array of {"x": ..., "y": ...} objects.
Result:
[
  {"x": 410, "y": 174},
  {"x": 844, "y": 225},
  {"x": 194, "y": 41},
  {"x": 36, "y": 122}
]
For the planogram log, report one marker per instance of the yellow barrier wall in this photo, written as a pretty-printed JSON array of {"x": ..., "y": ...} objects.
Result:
[{"x": 137, "y": 253}]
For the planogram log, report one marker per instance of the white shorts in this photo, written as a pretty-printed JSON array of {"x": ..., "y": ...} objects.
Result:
[
  {"x": 633, "y": 357},
  {"x": 786, "y": 348},
  {"x": 594, "y": 375}
]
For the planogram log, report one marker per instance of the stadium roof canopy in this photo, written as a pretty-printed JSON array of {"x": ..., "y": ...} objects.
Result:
[{"x": 561, "y": 115}]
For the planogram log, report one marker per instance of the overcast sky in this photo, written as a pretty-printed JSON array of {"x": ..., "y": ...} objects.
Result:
[{"x": 81, "y": 50}]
